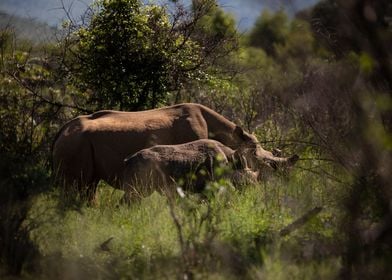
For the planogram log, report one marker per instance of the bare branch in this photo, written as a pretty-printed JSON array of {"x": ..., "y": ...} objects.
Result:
[
  {"x": 44, "y": 99},
  {"x": 300, "y": 221}
]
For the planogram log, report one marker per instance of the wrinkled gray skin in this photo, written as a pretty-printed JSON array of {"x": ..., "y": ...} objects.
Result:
[{"x": 189, "y": 166}]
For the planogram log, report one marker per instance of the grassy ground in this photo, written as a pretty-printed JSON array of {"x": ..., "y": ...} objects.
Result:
[{"x": 232, "y": 234}]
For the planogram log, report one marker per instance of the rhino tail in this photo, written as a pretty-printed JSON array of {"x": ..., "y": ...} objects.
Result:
[{"x": 56, "y": 137}]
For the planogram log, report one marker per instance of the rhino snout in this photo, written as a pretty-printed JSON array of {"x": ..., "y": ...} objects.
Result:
[{"x": 293, "y": 159}]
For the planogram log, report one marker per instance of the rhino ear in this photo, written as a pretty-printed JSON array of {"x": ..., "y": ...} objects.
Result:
[
  {"x": 239, "y": 132},
  {"x": 127, "y": 159}
]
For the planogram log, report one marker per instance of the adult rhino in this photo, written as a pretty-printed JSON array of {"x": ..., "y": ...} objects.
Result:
[
  {"x": 93, "y": 147},
  {"x": 190, "y": 165}
]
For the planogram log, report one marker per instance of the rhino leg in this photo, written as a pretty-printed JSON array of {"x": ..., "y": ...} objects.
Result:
[
  {"x": 88, "y": 192},
  {"x": 204, "y": 173},
  {"x": 130, "y": 198}
]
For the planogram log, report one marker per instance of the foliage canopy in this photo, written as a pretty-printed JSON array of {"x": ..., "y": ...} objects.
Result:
[
  {"x": 131, "y": 55},
  {"x": 127, "y": 55}
]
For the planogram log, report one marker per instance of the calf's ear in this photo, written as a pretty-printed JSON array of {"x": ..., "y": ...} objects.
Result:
[{"x": 277, "y": 152}]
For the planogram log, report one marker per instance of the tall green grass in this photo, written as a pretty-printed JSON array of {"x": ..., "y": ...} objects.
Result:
[{"x": 230, "y": 234}]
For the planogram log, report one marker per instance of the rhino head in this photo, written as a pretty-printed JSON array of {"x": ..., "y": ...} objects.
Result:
[{"x": 253, "y": 156}]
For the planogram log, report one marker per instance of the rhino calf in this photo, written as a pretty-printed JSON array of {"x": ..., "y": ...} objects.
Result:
[{"x": 190, "y": 166}]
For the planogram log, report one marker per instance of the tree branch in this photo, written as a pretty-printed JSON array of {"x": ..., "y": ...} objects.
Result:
[{"x": 300, "y": 221}]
